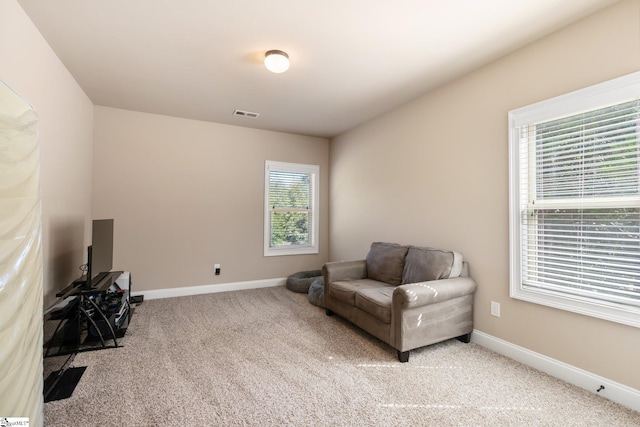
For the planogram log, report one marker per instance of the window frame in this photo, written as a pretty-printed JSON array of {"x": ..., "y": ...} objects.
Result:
[
  {"x": 314, "y": 228},
  {"x": 612, "y": 92}
]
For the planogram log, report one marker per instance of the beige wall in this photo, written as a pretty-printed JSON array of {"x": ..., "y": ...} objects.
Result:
[
  {"x": 435, "y": 172},
  {"x": 31, "y": 68},
  {"x": 187, "y": 194}
]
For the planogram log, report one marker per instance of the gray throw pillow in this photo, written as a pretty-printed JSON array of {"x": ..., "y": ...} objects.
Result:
[
  {"x": 423, "y": 264},
  {"x": 385, "y": 262}
]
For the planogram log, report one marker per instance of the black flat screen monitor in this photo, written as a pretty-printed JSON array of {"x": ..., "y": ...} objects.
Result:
[{"x": 100, "y": 256}]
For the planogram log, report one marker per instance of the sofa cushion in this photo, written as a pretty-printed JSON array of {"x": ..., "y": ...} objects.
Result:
[
  {"x": 376, "y": 302},
  {"x": 385, "y": 262},
  {"x": 423, "y": 264},
  {"x": 345, "y": 290}
]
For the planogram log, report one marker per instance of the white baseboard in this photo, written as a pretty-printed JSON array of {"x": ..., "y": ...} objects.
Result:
[
  {"x": 614, "y": 391},
  {"x": 209, "y": 289}
]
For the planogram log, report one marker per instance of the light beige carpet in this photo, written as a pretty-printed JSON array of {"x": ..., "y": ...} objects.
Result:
[{"x": 267, "y": 357}]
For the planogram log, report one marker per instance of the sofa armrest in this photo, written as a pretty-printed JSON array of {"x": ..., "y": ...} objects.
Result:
[
  {"x": 424, "y": 293},
  {"x": 344, "y": 270}
]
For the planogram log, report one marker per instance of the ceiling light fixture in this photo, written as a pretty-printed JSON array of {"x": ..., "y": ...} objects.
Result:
[{"x": 276, "y": 61}]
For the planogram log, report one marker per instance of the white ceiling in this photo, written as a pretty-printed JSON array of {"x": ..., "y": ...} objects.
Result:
[{"x": 351, "y": 60}]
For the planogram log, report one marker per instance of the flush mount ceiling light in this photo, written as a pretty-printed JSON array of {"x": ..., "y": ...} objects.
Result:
[{"x": 276, "y": 61}]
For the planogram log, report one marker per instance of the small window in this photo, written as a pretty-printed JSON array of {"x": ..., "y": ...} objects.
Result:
[
  {"x": 291, "y": 221},
  {"x": 575, "y": 201}
]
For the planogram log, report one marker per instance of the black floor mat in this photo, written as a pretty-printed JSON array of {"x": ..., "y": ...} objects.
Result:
[{"x": 61, "y": 387}]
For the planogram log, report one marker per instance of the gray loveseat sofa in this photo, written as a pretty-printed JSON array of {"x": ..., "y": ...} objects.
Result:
[{"x": 406, "y": 296}]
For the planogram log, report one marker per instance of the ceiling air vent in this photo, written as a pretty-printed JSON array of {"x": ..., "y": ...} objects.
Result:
[{"x": 248, "y": 114}]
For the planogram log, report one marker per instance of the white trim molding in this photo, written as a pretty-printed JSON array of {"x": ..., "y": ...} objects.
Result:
[
  {"x": 614, "y": 391},
  {"x": 209, "y": 289}
]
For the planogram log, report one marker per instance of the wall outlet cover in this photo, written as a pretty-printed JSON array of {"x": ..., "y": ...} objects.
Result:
[{"x": 495, "y": 309}]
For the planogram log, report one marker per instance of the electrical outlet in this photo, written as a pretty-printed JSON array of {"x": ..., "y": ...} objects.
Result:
[
  {"x": 495, "y": 309},
  {"x": 216, "y": 269}
]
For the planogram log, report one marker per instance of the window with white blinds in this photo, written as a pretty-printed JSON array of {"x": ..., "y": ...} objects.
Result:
[
  {"x": 575, "y": 201},
  {"x": 291, "y": 206}
]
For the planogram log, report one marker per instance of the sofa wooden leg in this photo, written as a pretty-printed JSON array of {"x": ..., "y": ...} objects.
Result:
[
  {"x": 466, "y": 338},
  {"x": 328, "y": 312},
  {"x": 403, "y": 356}
]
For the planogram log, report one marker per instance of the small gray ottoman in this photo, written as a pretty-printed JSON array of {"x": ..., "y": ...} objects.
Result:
[{"x": 316, "y": 292}]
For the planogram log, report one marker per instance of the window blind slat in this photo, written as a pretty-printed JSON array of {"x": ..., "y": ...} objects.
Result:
[{"x": 603, "y": 119}]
